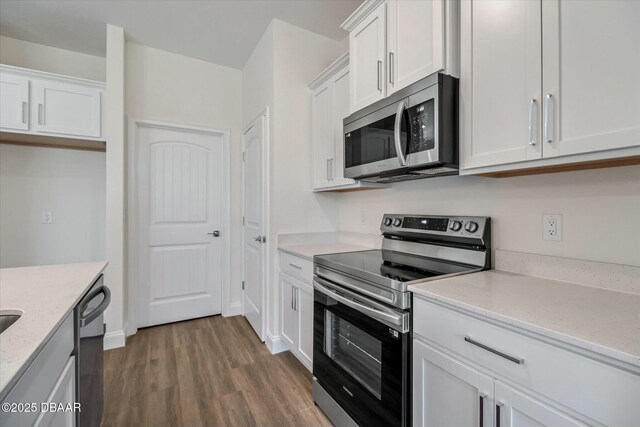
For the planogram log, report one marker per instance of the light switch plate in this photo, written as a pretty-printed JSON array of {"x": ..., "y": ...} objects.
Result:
[{"x": 47, "y": 218}]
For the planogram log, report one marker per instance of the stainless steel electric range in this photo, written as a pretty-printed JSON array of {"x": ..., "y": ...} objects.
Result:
[{"x": 362, "y": 313}]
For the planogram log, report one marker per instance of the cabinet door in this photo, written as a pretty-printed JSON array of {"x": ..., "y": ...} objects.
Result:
[
  {"x": 415, "y": 41},
  {"x": 447, "y": 392},
  {"x": 67, "y": 109},
  {"x": 322, "y": 131},
  {"x": 500, "y": 82},
  {"x": 340, "y": 111},
  {"x": 591, "y": 68},
  {"x": 288, "y": 315},
  {"x": 519, "y": 410},
  {"x": 304, "y": 309},
  {"x": 367, "y": 59},
  {"x": 63, "y": 394},
  {"x": 14, "y": 102}
]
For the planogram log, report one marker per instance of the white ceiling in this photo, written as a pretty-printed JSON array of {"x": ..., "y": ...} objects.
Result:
[{"x": 220, "y": 31}]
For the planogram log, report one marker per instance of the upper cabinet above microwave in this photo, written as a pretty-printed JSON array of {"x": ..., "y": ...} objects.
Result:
[
  {"x": 548, "y": 85},
  {"x": 43, "y": 104},
  {"x": 394, "y": 43}
]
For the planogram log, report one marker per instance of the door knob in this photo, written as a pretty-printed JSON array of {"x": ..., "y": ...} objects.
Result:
[
  {"x": 216, "y": 233},
  {"x": 260, "y": 239}
]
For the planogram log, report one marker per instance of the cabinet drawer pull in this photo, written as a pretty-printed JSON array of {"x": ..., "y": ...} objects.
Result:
[
  {"x": 547, "y": 106},
  {"x": 517, "y": 360},
  {"x": 295, "y": 266},
  {"x": 380, "y": 76},
  {"x": 24, "y": 111},
  {"x": 482, "y": 396},
  {"x": 40, "y": 114},
  {"x": 391, "y": 68}
]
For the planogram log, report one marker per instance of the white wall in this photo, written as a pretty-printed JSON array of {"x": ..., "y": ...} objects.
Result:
[
  {"x": 68, "y": 183},
  {"x": 172, "y": 88},
  {"x": 600, "y": 210},
  {"x": 35, "y": 56},
  {"x": 276, "y": 75}
]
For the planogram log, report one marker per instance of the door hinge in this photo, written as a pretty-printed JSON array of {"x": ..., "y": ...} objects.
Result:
[{"x": 243, "y": 285}]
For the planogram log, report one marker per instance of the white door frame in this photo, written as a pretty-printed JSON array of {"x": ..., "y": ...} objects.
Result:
[
  {"x": 266, "y": 150},
  {"x": 131, "y": 215}
]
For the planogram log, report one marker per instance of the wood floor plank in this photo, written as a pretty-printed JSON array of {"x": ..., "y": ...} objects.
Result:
[{"x": 212, "y": 371}]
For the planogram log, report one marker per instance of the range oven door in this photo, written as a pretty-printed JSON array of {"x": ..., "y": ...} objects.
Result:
[{"x": 361, "y": 355}]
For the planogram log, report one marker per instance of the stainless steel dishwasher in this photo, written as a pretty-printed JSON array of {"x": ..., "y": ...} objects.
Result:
[{"x": 89, "y": 334}]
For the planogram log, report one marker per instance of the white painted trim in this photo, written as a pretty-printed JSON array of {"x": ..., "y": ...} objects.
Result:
[
  {"x": 114, "y": 339},
  {"x": 275, "y": 344},
  {"x": 332, "y": 69},
  {"x": 228, "y": 308},
  {"x": 51, "y": 76},
  {"x": 266, "y": 156},
  {"x": 360, "y": 13},
  {"x": 234, "y": 309}
]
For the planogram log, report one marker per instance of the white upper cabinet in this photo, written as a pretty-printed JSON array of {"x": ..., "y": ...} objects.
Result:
[
  {"x": 406, "y": 31},
  {"x": 14, "y": 102},
  {"x": 548, "y": 83},
  {"x": 394, "y": 43},
  {"x": 500, "y": 82},
  {"x": 329, "y": 106},
  {"x": 43, "y": 104},
  {"x": 367, "y": 45},
  {"x": 66, "y": 108},
  {"x": 591, "y": 71}
]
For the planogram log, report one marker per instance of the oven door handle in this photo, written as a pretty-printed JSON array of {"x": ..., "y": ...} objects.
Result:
[
  {"x": 398, "y": 321},
  {"x": 396, "y": 133}
]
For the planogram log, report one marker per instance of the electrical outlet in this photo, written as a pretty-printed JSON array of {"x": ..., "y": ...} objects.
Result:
[
  {"x": 47, "y": 218},
  {"x": 552, "y": 227}
]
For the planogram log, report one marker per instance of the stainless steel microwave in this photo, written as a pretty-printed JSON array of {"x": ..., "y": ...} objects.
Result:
[{"x": 410, "y": 135}]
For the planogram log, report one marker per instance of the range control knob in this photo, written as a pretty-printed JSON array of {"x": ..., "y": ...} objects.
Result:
[
  {"x": 387, "y": 222},
  {"x": 455, "y": 225},
  {"x": 397, "y": 222},
  {"x": 471, "y": 227}
]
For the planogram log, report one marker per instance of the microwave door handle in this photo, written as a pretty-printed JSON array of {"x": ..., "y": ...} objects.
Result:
[{"x": 396, "y": 133}]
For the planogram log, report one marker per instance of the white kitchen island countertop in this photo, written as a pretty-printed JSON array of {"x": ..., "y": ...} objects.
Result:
[
  {"x": 599, "y": 320},
  {"x": 45, "y": 295}
]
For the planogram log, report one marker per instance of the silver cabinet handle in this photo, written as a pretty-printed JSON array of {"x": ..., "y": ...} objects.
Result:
[
  {"x": 517, "y": 360},
  {"x": 547, "y": 101},
  {"x": 295, "y": 299},
  {"x": 380, "y": 76},
  {"x": 292, "y": 288},
  {"x": 24, "y": 111},
  {"x": 215, "y": 233},
  {"x": 295, "y": 266},
  {"x": 498, "y": 416},
  {"x": 327, "y": 169},
  {"x": 331, "y": 169},
  {"x": 40, "y": 114},
  {"x": 481, "y": 417},
  {"x": 532, "y": 105},
  {"x": 391, "y": 77},
  {"x": 396, "y": 133}
]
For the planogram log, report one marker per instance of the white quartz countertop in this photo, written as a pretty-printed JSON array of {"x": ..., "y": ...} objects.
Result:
[
  {"x": 308, "y": 251},
  {"x": 600, "y": 320},
  {"x": 45, "y": 295}
]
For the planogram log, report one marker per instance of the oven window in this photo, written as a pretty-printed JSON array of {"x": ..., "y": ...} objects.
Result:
[
  {"x": 373, "y": 143},
  {"x": 355, "y": 351}
]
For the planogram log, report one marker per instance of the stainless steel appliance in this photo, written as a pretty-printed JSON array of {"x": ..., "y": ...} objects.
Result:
[
  {"x": 362, "y": 313},
  {"x": 90, "y": 328},
  {"x": 410, "y": 135}
]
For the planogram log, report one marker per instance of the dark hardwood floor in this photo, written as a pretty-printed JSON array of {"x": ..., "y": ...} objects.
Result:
[{"x": 212, "y": 371}]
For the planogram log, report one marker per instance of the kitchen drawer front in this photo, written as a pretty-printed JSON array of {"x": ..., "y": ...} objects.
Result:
[
  {"x": 606, "y": 394},
  {"x": 41, "y": 376},
  {"x": 296, "y": 267}
]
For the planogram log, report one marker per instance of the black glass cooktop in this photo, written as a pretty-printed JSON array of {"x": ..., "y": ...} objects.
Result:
[{"x": 397, "y": 266}]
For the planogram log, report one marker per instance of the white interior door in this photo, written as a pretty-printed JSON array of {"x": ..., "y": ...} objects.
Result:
[
  {"x": 254, "y": 225},
  {"x": 180, "y": 176}
]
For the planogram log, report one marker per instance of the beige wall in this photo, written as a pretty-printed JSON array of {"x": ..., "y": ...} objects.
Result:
[
  {"x": 167, "y": 87},
  {"x": 600, "y": 210},
  {"x": 39, "y": 57}
]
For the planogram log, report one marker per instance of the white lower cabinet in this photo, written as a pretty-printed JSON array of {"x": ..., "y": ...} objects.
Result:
[
  {"x": 62, "y": 396},
  {"x": 296, "y": 306},
  {"x": 448, "y": 393},
  {"x": 472, "y": 372}
]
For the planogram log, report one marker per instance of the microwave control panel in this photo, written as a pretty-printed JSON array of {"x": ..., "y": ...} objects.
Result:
[{"x": 421, "y": 125}]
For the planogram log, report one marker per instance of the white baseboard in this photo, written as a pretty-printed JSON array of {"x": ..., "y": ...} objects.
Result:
[
  {"x": 275, "y": 344},
  {"x": 114, "y": 340},
  {"x": 234, "y": 309}
]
